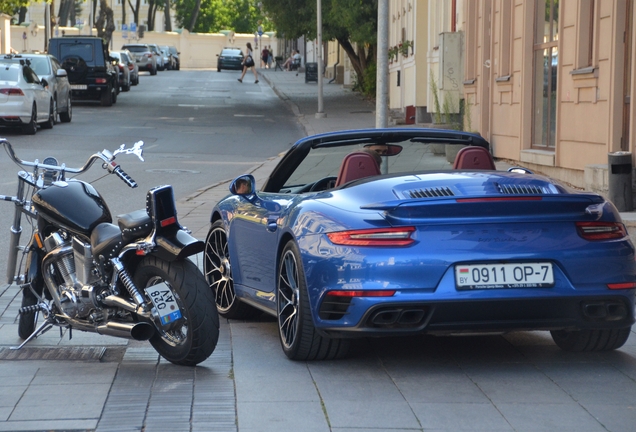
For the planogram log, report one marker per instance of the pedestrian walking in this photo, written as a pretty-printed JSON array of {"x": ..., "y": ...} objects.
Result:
[
  {"x": 264, "y": 57},
  {"x": 270, "y": 57},
  {"x": 248, "y": 62}
]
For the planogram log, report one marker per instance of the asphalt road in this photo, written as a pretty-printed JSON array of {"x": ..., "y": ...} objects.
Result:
[{"x": 199, "y": 127}]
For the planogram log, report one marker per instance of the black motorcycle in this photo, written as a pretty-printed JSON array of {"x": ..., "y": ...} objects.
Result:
[{"x": 81, "y": 271}]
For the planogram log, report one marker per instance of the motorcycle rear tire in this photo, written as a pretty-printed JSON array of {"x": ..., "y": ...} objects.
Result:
[{"x": 198, "y": 309}]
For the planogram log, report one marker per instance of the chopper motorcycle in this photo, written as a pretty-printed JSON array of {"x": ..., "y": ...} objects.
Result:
[{"x": 132, "y": 279}]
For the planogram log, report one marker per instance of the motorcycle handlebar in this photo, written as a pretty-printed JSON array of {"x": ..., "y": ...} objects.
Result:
[
  {"x": 104, "y": 156},
  {"x": 125, "y": 177}
]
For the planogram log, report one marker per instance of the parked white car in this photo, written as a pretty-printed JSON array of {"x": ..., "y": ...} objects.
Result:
[{"x": 25, "y": 100}]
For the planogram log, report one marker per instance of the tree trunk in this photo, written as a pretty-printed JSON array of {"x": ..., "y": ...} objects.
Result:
[
  {"x": 66, "y": 6},
  {"x": 105, "y": 22},
  {"x": 22, "y": 14},
  {"x": 135, "y": 10},
  {"x": 195, "y": 15},
  {"x": 166, "y": 14},
  {"x": 353, "y": 57},
  {"x": 152, "y": 10}
]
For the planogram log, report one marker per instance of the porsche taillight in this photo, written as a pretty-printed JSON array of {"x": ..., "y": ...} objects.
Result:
[
  {"x": 597, "y": 231},
  {"x": 394, "y": 236},
  {"x": 361, "y": 293}
]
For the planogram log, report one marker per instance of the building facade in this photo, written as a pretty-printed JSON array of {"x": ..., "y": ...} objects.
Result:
[{"x": 547, "y": 82}]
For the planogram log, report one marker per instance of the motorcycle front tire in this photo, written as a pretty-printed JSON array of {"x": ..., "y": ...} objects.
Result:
[{"x": 191, "y": 339}]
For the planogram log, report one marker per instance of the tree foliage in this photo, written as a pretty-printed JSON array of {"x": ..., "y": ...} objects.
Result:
[
  {"x": 353, "y": 23},
  {"x": 11, "y": 7},
  {"x": 211, "y": 16}
]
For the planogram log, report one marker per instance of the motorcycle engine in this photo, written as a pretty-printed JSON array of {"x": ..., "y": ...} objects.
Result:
[{"x": 73, "y": 263}]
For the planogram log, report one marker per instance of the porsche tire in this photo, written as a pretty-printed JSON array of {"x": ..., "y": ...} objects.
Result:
[
  {"x": 218, "y": 274},
  {"x": 191, "y": 339},
  {"x": 298, "y": 336},
  {"x": 590, "y": 340}
]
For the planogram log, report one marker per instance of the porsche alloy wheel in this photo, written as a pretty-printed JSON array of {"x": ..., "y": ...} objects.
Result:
[
  {"x": 218, "y": 274},
  {"x": 590, "y": 340},
  {"x": 298, "y": 336}
]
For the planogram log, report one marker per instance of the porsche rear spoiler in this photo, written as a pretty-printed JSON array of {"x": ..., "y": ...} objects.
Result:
[{"x": 497, "y": 208}]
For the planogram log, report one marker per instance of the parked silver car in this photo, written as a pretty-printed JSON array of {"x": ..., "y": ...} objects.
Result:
[
  {"x": 161, "y": 64},
  {"x": 132, "y": 66},
  {"x": 123, "y": 72},
  {"x": 49, "y": 68},
  {"x": 145, "y": 58}
]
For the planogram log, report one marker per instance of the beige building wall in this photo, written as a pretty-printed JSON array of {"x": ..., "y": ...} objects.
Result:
[{"x": 595, "y": 82}]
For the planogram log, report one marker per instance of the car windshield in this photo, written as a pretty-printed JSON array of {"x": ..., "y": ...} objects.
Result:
[
  {"x": 40, "y": 65},
  {"x": 325, "y": 161},
  {"x": 137, "y": 49},
  {"x": 172, "y": 50},
  {"x": 115, "y": 54},
  {"x": 8, "y": 73}
]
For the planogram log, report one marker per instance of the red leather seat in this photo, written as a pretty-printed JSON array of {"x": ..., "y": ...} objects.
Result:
[
  {"x": 469, "y": 158},
  {"x": 357, "y": 165}
]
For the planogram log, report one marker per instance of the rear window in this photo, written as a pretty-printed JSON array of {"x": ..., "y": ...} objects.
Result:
[
  {"x": 8, "y": 73},
  {"x": 136, "y": 49},
  {"x": 40, "y": 66},
  {"x": 231, "y": 52},
  {"x": 83, "y": 50}
]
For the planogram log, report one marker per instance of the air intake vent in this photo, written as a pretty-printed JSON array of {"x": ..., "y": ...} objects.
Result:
[
  {"x": 430, "y": 192},
  {"x": 522, "y": 189}
]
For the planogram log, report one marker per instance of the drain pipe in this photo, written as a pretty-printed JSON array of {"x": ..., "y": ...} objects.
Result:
[{"x": 335, "y": 70}]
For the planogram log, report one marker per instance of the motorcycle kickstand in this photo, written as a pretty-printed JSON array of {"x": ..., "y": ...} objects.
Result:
[{"x": 44, "y": 327}]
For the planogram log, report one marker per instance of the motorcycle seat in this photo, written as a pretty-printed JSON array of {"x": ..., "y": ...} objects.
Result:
[
  {"x": 106, "y": 240},
  {"x": 134, "y": 225}
]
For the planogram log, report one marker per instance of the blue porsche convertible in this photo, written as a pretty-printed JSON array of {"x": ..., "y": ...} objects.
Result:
[{"x": 401, "y": 231}]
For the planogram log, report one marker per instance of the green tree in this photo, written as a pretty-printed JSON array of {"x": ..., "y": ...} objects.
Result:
[
  {"x": 210, "y": 16},
  {"x": 350, "y": 22}
]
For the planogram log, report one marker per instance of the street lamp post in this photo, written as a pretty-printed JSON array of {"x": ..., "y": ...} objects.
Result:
[{"x": 320, "y": 113}]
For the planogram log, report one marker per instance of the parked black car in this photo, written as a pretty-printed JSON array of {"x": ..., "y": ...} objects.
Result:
[
  {"x": 175, "y": 55},
  {"x": 230, "y": 58},
  {"x": 90, "y": 68}
]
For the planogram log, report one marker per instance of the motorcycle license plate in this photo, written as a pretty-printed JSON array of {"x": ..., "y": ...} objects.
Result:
[
  {"x": 509, "y": 275},
  {"x": 163, "y": 300}
]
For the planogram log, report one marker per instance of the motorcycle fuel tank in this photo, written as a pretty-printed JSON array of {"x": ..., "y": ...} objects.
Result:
[{"x": 74, "y": 205}]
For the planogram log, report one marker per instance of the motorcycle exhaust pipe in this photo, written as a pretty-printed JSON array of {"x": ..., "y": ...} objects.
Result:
[{"x": 140, "y": 331}]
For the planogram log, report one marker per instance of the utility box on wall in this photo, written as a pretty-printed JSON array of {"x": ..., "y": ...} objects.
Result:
[{"x": 451, "y": 68}]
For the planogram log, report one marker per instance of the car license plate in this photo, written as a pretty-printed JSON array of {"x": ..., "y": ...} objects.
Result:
[
  {"x": 164, "y": 301},
  {"x": 509, "y": 275},
  {"x": 78, "y": 86}
]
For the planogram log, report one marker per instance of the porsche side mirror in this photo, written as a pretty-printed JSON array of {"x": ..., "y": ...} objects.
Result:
[{"x": 243, "y": 185}]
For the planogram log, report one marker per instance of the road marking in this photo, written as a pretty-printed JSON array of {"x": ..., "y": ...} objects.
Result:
[{"x": 248, "y": 115}]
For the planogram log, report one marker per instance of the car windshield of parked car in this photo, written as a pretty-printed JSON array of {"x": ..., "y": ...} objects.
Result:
[
  {"x": 322, "y": 162},
  {"x": 84, "y": 51},
  {"x": 136, "y": 49},
  {"x": 8, "y": 73},
  {"x": 40, "y": 65},
  {"x": 172, "y": 50}
]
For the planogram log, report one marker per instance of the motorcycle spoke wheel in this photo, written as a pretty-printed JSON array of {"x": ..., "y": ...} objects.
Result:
[
  {"x": 218, "y": 274},
  {"x": 192, "y": 338}
]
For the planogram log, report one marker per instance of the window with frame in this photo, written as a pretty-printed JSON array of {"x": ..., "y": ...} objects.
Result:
[{"x": 546, "y": 66}]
